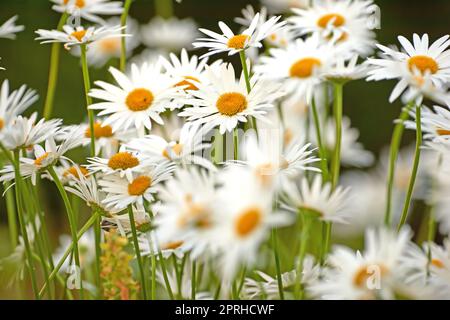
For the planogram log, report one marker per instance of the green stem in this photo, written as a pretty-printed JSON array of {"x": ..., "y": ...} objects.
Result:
[
  {"x": 193, "y": 279},
  {"x": 247, "y": 80},
  {"x": 123, "y": 23},
  {"x": 71, "y": 218},
  {"x": 137, "y": 250},
  {"x": 326, "y": 230},
  {"x": 53, "y": 72},
  {"x": 322, "y": 150},
  {"x": 11, "y": 211},
  {"x": 87, "y": 88},
  {"x": 66, "y": 254},
  {"x": 277, "y": 263},
  {"x": 393, "y": 154},
  {"x": 306, "y": 226},
  {"x": 236, "y": 143},
  {"x": 338, "y": 106},
  {"x": 98, "y": 252},
  {"x": 23, "y": 228},
  {"x": 414, "y": 170},
  {"x": 164, "y": 8}
]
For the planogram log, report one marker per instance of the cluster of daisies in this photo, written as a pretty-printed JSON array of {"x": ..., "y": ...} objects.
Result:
[{"x": 226, "y": 180}]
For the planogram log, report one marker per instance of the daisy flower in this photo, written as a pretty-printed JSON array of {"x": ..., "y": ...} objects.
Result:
[
  {"x": 188, "y": 149},
  {"x": 435, "y": 123},
  {"x": 346, "y": 70},
  {"x": 284, "y": 6},
  {"x": 123, "y": 192},
  {"x": 71, "y": 36},
  {"x": 317, "y": 198},
  {"x": 271, "y": 162},
  {"x": 187, "y": 213},
  {"x": 124, "y": 164},
  {"x": 300, "y": 66},
  {"x": 121, "y": 221},
  {"x": 24, "y": 133},
  {"x": 172, "y": 34},
  {"x": 138, "y": 98},
  {"x": 234, "y": 43},
  {"x": 225, "y": 102},
  {"x": 417, "y": 60},
  {"x": 9, "y": 29},
  {"x": 88, "y": 9},
  {"x": 343, "y": 23},
  {"x": 368, "y": 275},
  {"x": 14, "y": 103},
  {"x": 246, "y": 218}
]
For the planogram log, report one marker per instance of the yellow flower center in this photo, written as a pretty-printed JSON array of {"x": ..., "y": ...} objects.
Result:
[
  {"x": 338, "y": 20},
  {"x": 177, "y": 148},
  {"x": 139, "y": 99},
  {"x": 79, "y": 35},
  {"x": 194, "y": 214},
  {"x": 139, "y": 186},
  {"x": 365, "y": 272},
  {"x": 2, "y": 123},
  {"x": 110, "y": 45},
  {"x": 248, "y": 221},
  {"x": 39, "y": 160},
  {"x": 172, "y": 245},
  {"x": 99, "y": 131},
  {"x": 80, "y": 3},
  {"x": 423, "y": 64},
  {"x": 304, "y": 68},
  {"x": 238, "y": 42},
  {"x": 123, "y": 160},
  {"x": 188, "y": 85},
  {"x": 437, "y": 263},
  {"x": 231, "y": 103},
  {"x": 72, "y": 171},
  {"x": 443, "y": 132}
]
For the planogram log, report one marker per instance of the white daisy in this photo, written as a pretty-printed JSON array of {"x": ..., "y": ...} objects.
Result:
[
  {"x": 317, "y": 198},
  {"x": 300, "y": 66},
  {"x": 435, "y": 123},
  {"x": 343, "y": 70},
  {"x": 121, "y": 221},
  {"x": 172, "y": 34},
  {"x": 9, "y": 29},
  {"x": 226, "y": 102},
  {"x": 344, "y": 23},
  {"x": 138, "y": 98},
  {"x": 190, "y": 148},
  {"x": 123, "y": 192},
  {"x": 432, "y": 61},
  {"x": 284, "y": 6},
  {"x": 71, "y": 36},
  {"x": 88, "y": 9},
  {"x": 234, "y": 43}
]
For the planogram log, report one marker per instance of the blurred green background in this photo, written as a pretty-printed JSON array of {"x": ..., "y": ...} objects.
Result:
[{"x": 366, "y": 103}]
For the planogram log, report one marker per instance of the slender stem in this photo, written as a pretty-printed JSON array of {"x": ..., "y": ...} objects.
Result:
[
  {"x": 23, "y": 228},
  {"x": 98, "y": 251},
  {"x": 247, "y": 80},
  {"x": 165, "y": 276},
  {"x": 218, "y": 147},
  {"x": 277, "y": 263},
  {"x": 123, "y": 22},
  {"x": 71, "y": 217},
  {"x": 236, "y": 143},
  {"x": 414, "y": 170},
  {"x": 66, "y": 254},
  {"x": 87, "y": 88},
  {"x": 53, "y": 72},
  {"x": 193, "y": 279},
  {"x": 322, "y": 150},
  {"x": 338, "y": 105},
  {"x": 326, "y": 230},
  {"x": 393, "y": 154},
  {"x": 11, "y": 211},
  {"x": 164, "y": 8},
  {"x": 137, "y": 250},
  {"x": 306, "y": 226}
]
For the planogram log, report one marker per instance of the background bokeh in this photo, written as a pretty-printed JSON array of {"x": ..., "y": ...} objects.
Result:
[{"x": 365, "y": 103}]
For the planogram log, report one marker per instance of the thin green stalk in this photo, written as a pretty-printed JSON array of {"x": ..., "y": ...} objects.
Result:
[
  {"x": 98, "y": 252},
  {"x": 236, "y": 143},
  {"x": 306, "y": 226},
  {"x": 338, "y": 106},
  {"x": 66, "y": 254},
  {"x": 193, "y": 279},
  {"x": 11, "y": 212},
  {"x": 322, "y": 150},
  {"x": 393, "y": 154},
  {"x": 22, "y": 224},
  {"x": 326, "y": 230},
  {"x": 87, "y": 88},
  {"x": 247, "y": 79},
  {"x": 53, "y": 72},
  {"x": 412, "y": 180},
  {"x": 277, "y": 263},
  {"x": 165, "y": 276},
  {"x": 164, "y": 8},
  {"x": 72, "y": 225},
  {"x": 123, "y": 23},
  {"x": 218, "y": 147},
  {"x": 137, "y": 250}
]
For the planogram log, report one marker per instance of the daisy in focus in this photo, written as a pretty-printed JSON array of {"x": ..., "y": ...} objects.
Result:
[{"x": 88, "y": 9}]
